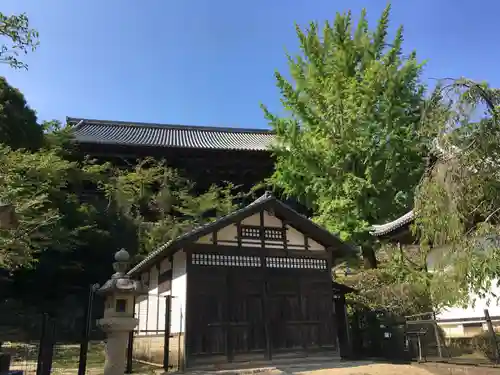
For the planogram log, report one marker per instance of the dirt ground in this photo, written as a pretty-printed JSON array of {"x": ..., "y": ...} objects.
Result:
[{"x": 369, "y": 369}]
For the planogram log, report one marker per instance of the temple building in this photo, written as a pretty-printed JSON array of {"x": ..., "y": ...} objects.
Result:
[{"x": 255, "y": 284}]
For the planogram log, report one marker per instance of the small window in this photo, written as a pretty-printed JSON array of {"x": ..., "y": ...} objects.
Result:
[
  {"x": 250, "y": 231},
  {"x": 121, "y": 305}
]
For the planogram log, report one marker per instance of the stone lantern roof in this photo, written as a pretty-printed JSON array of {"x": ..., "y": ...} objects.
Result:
[{"x": 120, "y": 282}]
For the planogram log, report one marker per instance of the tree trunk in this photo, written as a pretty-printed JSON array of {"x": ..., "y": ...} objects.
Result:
[{"x": 369, "y": 258}]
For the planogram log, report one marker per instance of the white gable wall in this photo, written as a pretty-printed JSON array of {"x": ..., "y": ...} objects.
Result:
[{"x": 229, "y": 235}]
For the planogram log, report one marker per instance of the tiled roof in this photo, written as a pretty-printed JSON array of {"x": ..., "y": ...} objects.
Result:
[
  {"x": 156, "y": 135},
  {"x": 380, "y": 230}
]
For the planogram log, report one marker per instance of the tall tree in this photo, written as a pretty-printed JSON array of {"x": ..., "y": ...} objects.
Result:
[
  {"x": 457, "y": 202},
  {"x": 64, "y": 233},
  {"x": 19, "y": 39},
  {"x": 18, "y": 122},
  {"x": 353, "y": 145}
]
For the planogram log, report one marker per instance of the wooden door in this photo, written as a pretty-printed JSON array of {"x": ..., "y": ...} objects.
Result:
[
  {"x": 285, "y": 315},
  {"x": 207, "y": 313},
  {"x": 319, "y": 315},
  {"x": 226, "y": 312},
  {"x": 301, "y": 314},
  {"x": 246, "y": 318}
]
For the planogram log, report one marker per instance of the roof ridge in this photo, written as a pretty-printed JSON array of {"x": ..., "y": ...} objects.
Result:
[{"x": 76, "y": 120}]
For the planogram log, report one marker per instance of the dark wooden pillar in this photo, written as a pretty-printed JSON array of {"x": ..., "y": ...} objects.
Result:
[
  {"x": 265, "y": 308},
  {"x": 342, "y": 326},
  {"x": 227, "y": 320}
]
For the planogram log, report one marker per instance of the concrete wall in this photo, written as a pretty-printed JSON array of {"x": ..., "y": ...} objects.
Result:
[{"x": 150, "y": 348}]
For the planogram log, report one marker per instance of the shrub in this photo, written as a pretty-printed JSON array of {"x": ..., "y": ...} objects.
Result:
[{"x": 483, "y": 344}]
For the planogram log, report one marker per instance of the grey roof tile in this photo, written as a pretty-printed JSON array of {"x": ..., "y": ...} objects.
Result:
[
  {"x": 141, "y": 134},
  {"x": 381, "y": 229}
]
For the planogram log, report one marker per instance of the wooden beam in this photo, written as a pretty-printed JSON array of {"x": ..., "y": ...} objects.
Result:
[
  {"x": 248, "y": 250},
  {"x": 261, "y": 230}
]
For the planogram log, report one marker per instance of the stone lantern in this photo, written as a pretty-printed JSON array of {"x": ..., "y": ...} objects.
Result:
[{"x": 118, "y": 320}]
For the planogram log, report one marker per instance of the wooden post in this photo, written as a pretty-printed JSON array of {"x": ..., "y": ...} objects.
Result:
[
  {"x": 229, "y": 331},
  {"x": 166, "y": 338},
  {"x": 265, "y": 308},
  {"x": 493, "y": 335}
]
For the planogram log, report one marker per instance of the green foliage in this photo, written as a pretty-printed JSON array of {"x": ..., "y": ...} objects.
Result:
[
  {"x": 353, "y": 145},
  {"x": 73, "y": 215},
  {"x": 398, "y": 285},
  {"x": 18, "y": 122},
  {"x": 20, "y": 39},
  {"x": 483, "y": 343},
  {"x": 161, "y": 203},
  {"x": 37, "y": 185},
  {"x": 458, "y": 202}
]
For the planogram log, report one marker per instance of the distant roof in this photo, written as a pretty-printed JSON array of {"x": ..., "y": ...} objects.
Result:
[
  {"x": 381, "y": 229},
  {"x": 267, "y": 201},
  {"x": 158, "y": 135}
]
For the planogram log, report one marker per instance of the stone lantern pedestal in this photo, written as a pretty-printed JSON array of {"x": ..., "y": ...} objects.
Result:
[{"x": 118, "y": 320}]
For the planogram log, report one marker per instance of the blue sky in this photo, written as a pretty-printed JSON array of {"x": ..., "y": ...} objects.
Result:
[{"x": 211, "y": 62}]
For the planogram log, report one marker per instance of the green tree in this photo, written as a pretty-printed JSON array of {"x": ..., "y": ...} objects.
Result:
[
  {"x": 18, "y": 122},
  {"x": 67, "y": 232},
  {"x": 457, "y": 201},
  {"x": 20, "y": 39},
  {"x": 353, "y": 145}
]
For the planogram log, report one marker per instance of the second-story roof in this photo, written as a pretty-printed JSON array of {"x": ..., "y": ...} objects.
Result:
[{"x": 170, "y": 136}]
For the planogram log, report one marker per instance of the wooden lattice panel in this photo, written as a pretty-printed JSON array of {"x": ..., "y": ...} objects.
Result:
[
  {"x": 273, "y": 234},
  {"x": 300, "y": 263},
  {"x": 254, "y": 232},
  {"x": 248, "y": 231},
  {"x": 226, "y": 260}
]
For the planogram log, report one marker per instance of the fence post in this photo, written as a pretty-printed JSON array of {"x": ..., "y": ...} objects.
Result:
[
  {"x": 130, "y": 352},
  {"x": 493, "y": 335},
  {"x": 41, "y": 347},
  {"x": 84, "y": 343},
  {"x": 166, "y": 338},
  {"x": 46, "y": 350},
  {"x": 438, "y": 339}
]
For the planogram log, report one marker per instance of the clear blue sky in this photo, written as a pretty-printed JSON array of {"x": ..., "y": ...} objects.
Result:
[{"x": 211, "y": 62}]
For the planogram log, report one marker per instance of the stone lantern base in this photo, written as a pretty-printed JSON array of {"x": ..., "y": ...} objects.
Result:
[{"x": 117, "y": 330}]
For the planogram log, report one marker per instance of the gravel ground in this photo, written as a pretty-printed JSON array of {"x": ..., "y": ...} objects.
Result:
[{"x": 368, "y": 369}]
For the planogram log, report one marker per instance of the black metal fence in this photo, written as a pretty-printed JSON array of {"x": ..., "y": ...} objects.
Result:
[
  {"x": 381, "y": 335},
  {"x": 377, "y": 334},
  {"x": 474, "y": 341},
  {"x": 56, "y": 341},
  {"x": 156, "y": 346}
]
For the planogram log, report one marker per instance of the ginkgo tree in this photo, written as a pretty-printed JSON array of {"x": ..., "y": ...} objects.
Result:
[{"x": 352, "y": 145}]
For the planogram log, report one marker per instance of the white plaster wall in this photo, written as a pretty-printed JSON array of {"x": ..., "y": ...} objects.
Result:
[
  {"x": 179, "y": 292},
  {"x": 150, "y": 308},
  {"x": 152, "y": 323},
  {"x": 475, "y": 310},
  {"x": 453, "y": 330},
  {"x": 141, "y": 311}
]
